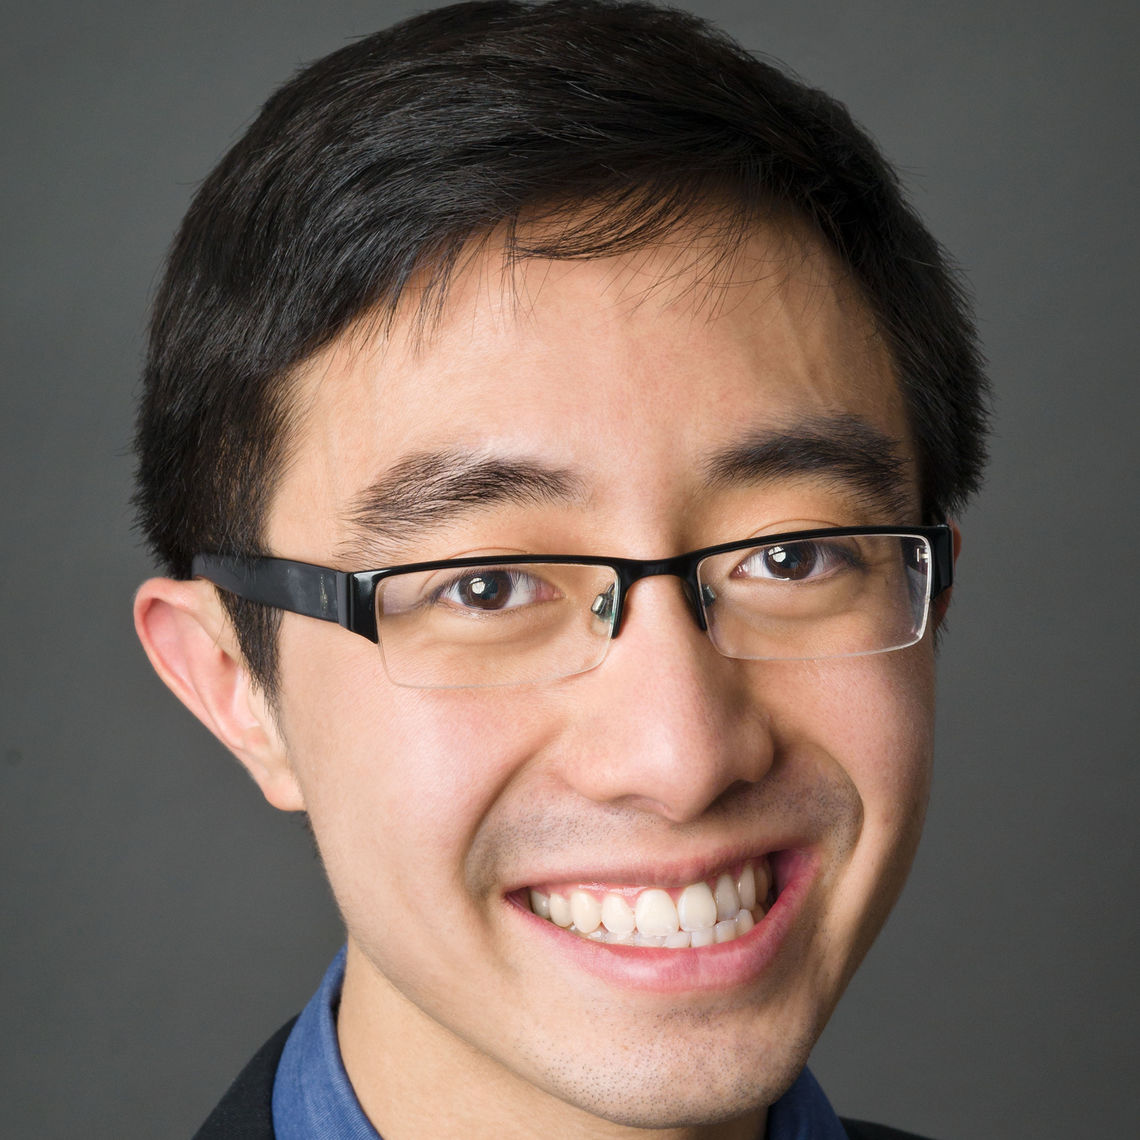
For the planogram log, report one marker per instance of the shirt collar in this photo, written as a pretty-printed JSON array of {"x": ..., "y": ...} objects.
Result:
[
  {"x": 312, "y": 1095},
  {"x": 313, "y": 1098},
  {"x": 804, "y": 1113}
]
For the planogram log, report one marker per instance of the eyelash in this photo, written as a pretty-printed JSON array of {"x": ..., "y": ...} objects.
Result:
[
  {"x": 515, "y": 579},
  {"x": 836, "y": 558}
]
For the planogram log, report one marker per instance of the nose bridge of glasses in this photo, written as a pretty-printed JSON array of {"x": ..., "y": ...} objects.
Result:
[{"x": 684, "y": 566}]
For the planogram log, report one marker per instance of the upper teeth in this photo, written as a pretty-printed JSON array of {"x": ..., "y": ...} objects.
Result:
[{"x": 696, "y": 915}]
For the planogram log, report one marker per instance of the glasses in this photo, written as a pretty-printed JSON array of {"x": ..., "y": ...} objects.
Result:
[{"x": 473, "y": 622}]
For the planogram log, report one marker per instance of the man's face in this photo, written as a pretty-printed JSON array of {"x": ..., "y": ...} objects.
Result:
[{"x": 668, "y": 765}]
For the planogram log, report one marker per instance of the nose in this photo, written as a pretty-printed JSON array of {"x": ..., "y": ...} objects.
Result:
[{"x": 665, "y": 723}]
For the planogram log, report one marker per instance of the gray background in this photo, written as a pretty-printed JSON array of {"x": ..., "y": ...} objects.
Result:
[{"x": 158, "y": 920}]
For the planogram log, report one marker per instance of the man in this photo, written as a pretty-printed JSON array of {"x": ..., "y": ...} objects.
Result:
[{"x": 551, "y": 424}]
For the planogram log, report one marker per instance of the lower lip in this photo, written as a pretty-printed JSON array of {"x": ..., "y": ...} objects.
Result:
[{"x": 721, "y": 966}]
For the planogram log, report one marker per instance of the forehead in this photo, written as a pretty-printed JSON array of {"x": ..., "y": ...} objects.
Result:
[{"x": 627, "y": 374}]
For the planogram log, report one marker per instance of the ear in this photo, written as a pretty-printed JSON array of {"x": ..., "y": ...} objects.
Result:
[
  {"x": 942, "y": 602},
  {"x": 190, "y": 641}
]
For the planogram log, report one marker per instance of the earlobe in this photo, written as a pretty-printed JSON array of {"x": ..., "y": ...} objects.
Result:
[{"x": 189, "y": 640}]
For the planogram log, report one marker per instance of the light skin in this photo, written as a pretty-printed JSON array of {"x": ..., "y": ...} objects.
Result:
[{"x": 463, "y": 1014}]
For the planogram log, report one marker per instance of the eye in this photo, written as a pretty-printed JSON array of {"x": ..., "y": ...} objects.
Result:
[
  {"x": 796, "y": 561},
  {"x": 491, "y": 590}
]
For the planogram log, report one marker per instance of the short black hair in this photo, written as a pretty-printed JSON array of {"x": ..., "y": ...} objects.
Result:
[{"x": 378, "y": 164}]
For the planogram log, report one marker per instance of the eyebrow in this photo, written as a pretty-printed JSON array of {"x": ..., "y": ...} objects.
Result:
[
  {"x": 842, "y": 448},
  {"x": 428, "y": 489}
]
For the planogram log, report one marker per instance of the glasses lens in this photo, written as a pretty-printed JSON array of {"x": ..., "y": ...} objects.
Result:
[
  {"x": 836, "y": 596},
  {"x": 505, "y": 623}
]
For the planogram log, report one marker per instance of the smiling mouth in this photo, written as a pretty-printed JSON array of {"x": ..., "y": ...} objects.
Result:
[{"x": 703, "y": 913}]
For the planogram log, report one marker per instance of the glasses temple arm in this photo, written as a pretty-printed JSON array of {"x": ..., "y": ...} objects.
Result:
[
  {"x": 942, "y": 560},
  {"x": 300, "y": 588}
]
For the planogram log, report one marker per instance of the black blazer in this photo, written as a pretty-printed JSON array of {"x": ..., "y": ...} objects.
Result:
[{"x": 246, "y": 1111}]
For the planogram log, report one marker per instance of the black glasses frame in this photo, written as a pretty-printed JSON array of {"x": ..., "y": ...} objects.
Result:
[{"x": 349, "y": 597}]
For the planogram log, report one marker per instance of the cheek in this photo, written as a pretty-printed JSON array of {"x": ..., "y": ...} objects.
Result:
[
  {"x": 397, "y": 782},
  {"x": 877, "y": 718},
  {"x": 869, "y": 722},
  {"x": 893, "y": 767}
]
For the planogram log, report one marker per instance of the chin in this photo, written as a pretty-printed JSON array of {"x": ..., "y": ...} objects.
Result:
[{"x": 667, "y": 1081}]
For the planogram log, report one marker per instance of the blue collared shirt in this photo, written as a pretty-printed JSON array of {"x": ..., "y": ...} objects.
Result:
[{"x": 313, "y": 1098}]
